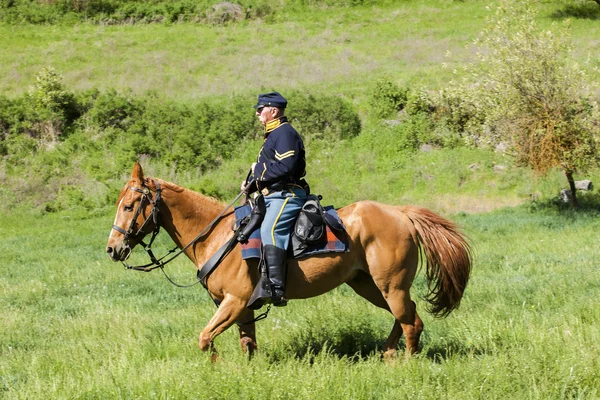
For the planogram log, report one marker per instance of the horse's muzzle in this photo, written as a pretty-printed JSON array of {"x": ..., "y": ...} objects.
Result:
[{"x": 119, "y": 253}]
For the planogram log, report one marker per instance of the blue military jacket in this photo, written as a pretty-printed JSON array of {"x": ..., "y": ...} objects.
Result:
[{"x": 281, "y": 158}]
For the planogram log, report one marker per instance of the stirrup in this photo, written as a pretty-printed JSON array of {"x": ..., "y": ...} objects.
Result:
[
  {"x": 278, "y": 298},
  {"x": 262, "y": 294},
  {"x": 279, "y": 301}
]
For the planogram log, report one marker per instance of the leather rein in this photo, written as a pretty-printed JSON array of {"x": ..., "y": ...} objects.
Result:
[{"x": 154, "y": 217}]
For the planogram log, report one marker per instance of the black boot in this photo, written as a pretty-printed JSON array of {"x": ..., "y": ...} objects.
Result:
[
  {"x": 262, "y": 292},
  {"x": 275, "y": 260}
]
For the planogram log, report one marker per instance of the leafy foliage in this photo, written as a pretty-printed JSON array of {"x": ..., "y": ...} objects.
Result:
[
  {"x": 45, "y": 114},
  {"x": 524, "y": 91},
  {"x": 387, "y": 98},
  {"x": 130, "y": 11},
  {"x": 579, "y": 9},
  {"x": 323, "y": 117},
  {"x": 111, "y": 12},
  {"x": 109, "y": 130}
]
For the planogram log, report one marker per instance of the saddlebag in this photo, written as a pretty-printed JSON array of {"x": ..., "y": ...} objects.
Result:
[{"x": 310, "y": 225}]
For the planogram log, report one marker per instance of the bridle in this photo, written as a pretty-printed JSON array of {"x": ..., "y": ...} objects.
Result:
[
  {"x": 140, "y": 234},
  {"x": 154, "y": 216}
]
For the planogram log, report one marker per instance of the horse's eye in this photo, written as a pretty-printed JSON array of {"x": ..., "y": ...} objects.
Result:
[{"x": 128, "y": 207}]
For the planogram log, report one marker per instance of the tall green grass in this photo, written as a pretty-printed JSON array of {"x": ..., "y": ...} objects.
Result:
[{"x": 75, "y": 325}]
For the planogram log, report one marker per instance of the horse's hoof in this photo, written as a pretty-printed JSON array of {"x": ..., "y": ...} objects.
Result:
[
  {"x": 389, "y": 355},
  {"x": 248, "y": 346}
]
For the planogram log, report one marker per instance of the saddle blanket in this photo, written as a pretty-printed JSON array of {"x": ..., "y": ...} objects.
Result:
[{"x": 251, "y": 249}]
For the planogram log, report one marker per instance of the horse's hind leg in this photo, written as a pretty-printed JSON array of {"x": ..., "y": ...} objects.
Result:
[
  {"x": 419, "y": 326},
  {"x": 412, "y": 333},
  {"x": 405, "y": 312},
  {"x": 364, "y": 286}
]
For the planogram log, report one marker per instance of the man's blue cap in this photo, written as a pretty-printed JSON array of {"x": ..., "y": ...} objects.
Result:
[{"x": 273, "y": 99}]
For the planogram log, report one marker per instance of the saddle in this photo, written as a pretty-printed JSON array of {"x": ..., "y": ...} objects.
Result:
[{"x": 317, "y": 229}]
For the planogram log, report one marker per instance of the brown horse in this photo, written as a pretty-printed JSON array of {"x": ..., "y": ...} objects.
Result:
[{"x": 385, "y": 247}]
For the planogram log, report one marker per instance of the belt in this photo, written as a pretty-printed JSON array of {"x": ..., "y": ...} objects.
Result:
[{"x": 279, "y": 186}]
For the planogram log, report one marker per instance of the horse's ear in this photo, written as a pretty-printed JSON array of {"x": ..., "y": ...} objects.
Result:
[{"x": 137, "y": 174}]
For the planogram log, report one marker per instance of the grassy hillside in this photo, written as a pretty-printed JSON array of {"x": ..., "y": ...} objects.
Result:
[
  {"x": 329, "y": 49},
  {"x": 317, "y": 49},
  {"x": 320, "y": 50}
]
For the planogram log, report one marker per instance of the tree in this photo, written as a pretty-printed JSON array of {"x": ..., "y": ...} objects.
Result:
[{"x": 530, "y": 95}]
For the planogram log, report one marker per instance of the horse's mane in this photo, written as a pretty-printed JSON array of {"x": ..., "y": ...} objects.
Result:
[
  {"x": 180, "y": 189},
  {"x": 151, "y": 183}
]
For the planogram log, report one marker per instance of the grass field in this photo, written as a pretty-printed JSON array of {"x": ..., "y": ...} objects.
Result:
[
  {"x": 75, "y": 325},
  {"x": 329, "y": 50}
]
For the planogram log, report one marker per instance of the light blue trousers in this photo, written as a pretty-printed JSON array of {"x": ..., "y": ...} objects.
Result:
[{"x": 282, "y": 209}]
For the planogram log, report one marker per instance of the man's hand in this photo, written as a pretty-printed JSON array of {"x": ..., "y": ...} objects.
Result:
[{"x": 247, "y": 184}]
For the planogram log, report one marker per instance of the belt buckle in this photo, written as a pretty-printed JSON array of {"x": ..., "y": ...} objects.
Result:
[{"x": 265, "y": 191}]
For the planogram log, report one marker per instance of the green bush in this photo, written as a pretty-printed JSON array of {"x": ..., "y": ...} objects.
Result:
[
  {"x": 7, "y": 116},
  {"x": 131, "y": 11},
  {"x": 335, "y": 3},
  {"x": 19, "y": 148},
  {"x": 387, "y": 98},
  {"x": 46, "y": 113},
  {"x": 419, "y": 102},
  {"x": 108, "y": 131},
  {"x": 323, "y": 117},
  {"x": 190, "y": 136},
  {"x": 113, "y": 110}
]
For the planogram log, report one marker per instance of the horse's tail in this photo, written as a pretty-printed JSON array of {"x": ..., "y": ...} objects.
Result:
[{"x": 448, "y": 257}]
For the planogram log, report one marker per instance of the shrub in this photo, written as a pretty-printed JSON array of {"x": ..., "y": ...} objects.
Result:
[
  {"x": 323, "y": 117},
  {"x": 112, "y": 110},
  {"x": 5, "y": 118},
  {"x": 49, "y": 93},
  {"x": 132, "y": 11},
  {"x": 531, "y": 96},
  {"x": 387, "y": 98},
  {"x": 418, "y": 102},
  {"x": 46, "y": 113},
  {"x": 112, "y": 130}
]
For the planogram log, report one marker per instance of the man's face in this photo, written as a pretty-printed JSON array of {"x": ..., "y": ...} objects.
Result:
[{"x": 265, "y": 114}]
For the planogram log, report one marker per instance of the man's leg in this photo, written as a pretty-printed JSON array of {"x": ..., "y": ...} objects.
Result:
[{"x": 284, "y": 209}]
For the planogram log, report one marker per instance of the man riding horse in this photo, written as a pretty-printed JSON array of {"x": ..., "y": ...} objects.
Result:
[{"x": 277, "y": 177}]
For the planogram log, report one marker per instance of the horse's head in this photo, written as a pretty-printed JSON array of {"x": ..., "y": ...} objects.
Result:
[{"x": 137, "y": 215}]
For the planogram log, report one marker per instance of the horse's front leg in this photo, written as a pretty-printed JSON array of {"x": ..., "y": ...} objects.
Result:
[{"x": 229, "y": 311}]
